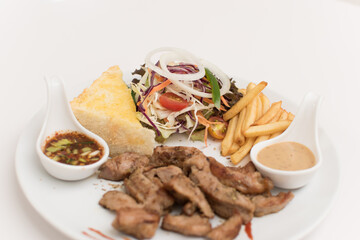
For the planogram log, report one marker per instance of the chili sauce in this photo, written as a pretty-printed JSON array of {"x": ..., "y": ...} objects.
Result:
[{"x": 73, "y": 148}]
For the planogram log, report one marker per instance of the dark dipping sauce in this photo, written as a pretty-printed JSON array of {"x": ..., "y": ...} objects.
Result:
[{"x": 73, "y": 148}]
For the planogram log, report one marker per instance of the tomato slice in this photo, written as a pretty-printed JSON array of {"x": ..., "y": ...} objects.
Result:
[
  {"x": 173, "y": 102},
  {"x": 218, "y": 131}
]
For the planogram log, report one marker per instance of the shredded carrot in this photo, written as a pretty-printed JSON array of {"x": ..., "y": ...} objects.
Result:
[
  {"x": 145, "y": 106},
  {"x": 159, "y": 77},
  {"x": 155, "y": 89},
  {"x": 145, "y": 103},
  {"x": 208, "y": 100},
  {"x": 206, "y": 123},
  {"x": 161, "y": 86},
  {"x": 224, "y": 101}
]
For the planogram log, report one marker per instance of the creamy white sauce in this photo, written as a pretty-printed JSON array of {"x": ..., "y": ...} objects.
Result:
[{"x": 288, "y": 156}]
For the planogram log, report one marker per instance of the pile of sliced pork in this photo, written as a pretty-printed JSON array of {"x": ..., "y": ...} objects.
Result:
[{"x": 184, "y": 176}]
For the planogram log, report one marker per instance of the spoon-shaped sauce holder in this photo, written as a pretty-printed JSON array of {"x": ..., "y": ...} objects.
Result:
[
  {"x": 304, "y": 130},
  {"x": 59, "y": 118}
]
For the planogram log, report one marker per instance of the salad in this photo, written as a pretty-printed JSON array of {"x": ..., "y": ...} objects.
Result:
[{"x": 179, "y": 93}]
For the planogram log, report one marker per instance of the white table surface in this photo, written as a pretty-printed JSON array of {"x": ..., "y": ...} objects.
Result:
[{"x": 296, "y": 46}]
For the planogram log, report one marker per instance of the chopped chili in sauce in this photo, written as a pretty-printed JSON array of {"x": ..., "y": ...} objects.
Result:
[{"x": 73, "y": 148}]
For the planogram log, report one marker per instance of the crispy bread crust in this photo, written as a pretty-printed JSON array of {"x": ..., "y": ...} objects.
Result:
[{"x": 122, "y": 132}]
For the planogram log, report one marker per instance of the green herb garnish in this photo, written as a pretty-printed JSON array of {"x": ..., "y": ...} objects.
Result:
[
  {"x": 86, "y": 149},
  {"x": 214, "y": 88},
  {"x": 62, "y": 142}
]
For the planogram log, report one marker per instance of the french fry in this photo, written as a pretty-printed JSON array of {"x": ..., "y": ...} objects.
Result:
[
  {"x": 259, "y": 108},
  {"x": 239, "y": 136},
  {"x": 265, "y": 102},
  {"x": 270, "y": 114},
  {"x": 250, "y": 115},
  {"x": 242, "y": 91},
  {"x": 275, "y": 119},
  {"x": 277, "y": 116},
  {"x": 244, "y": 101},
  {"x": 261, "y": 138},
  {"x": 267, "y": 129},
  {"x": 252, "y": 120},
  {"x": 250, "y": 86},
  {"x": 243, "y": 151},
  {"x": 284, "y": 116},
  {"x": 291, "y": 116},
  {"x": 251, "y": 110},
  {"x": 274, "y": 135},
  {"x": 234, "y": 147},
  {"x": 229, "y": 136}
]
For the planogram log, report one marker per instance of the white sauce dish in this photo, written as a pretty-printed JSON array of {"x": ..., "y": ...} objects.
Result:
[
  {"x": 303, "y": 130},
  {"x": 59, "y": 119}
]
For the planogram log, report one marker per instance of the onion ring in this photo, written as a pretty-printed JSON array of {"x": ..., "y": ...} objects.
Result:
[
  {"x": 179, "y": 54},
  {"x": 176, "y": 54}
]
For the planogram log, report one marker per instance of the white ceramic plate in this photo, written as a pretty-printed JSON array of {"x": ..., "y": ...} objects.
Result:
[{"x": 72, "y": 207}]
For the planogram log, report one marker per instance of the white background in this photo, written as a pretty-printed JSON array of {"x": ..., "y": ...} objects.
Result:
[{"x": 296, "y": 46}]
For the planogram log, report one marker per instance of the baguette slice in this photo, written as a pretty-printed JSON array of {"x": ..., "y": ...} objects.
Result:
[{"x": 107, "y": 109}]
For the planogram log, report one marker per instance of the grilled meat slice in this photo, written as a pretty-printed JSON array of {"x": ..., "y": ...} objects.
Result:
[
  {"x": 183, "y": 186},
  {"x": 137, "y": 222},
  {"x": 189, "y": 208},
  {"x": 190, "y": 226},
  {"x": 121, "y": 166},
  {"x": 225, "y": 201},
  {"x": 228, "y": 230},
  {"x": 114, "y": 200},
  {"x": 245, "y": 180},
  {"x": 164, "y": 173},
  {"x": 148, "y": 193},
  {"x": 199, "y": 161},
  {"x": 265, "y": 205},
  {"x": 165, "y": 155}
]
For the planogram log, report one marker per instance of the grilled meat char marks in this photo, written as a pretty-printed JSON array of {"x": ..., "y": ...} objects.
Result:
[
  {"x": 225, "y": 201},
  {"x": 165, "y": 156},
  {"x": 164, "y": 174},
  {"x": 148, "y": 193},
  {"x": 188, "y": 225},
  {"x": 121, "y": 166},
  {"x": 182, "y": 188},
  {"x": 246, "y": 180}
]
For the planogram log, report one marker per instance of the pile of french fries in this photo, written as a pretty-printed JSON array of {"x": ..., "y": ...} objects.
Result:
[{"x": 252, "y": 120}]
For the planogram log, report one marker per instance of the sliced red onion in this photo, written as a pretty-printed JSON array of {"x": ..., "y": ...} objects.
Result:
[
  {"x": 172, "y": 55},
  {"x": 142, "y": 110}
]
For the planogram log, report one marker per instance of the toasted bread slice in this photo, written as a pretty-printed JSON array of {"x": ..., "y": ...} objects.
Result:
[{"x": 107, "y": 109}]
